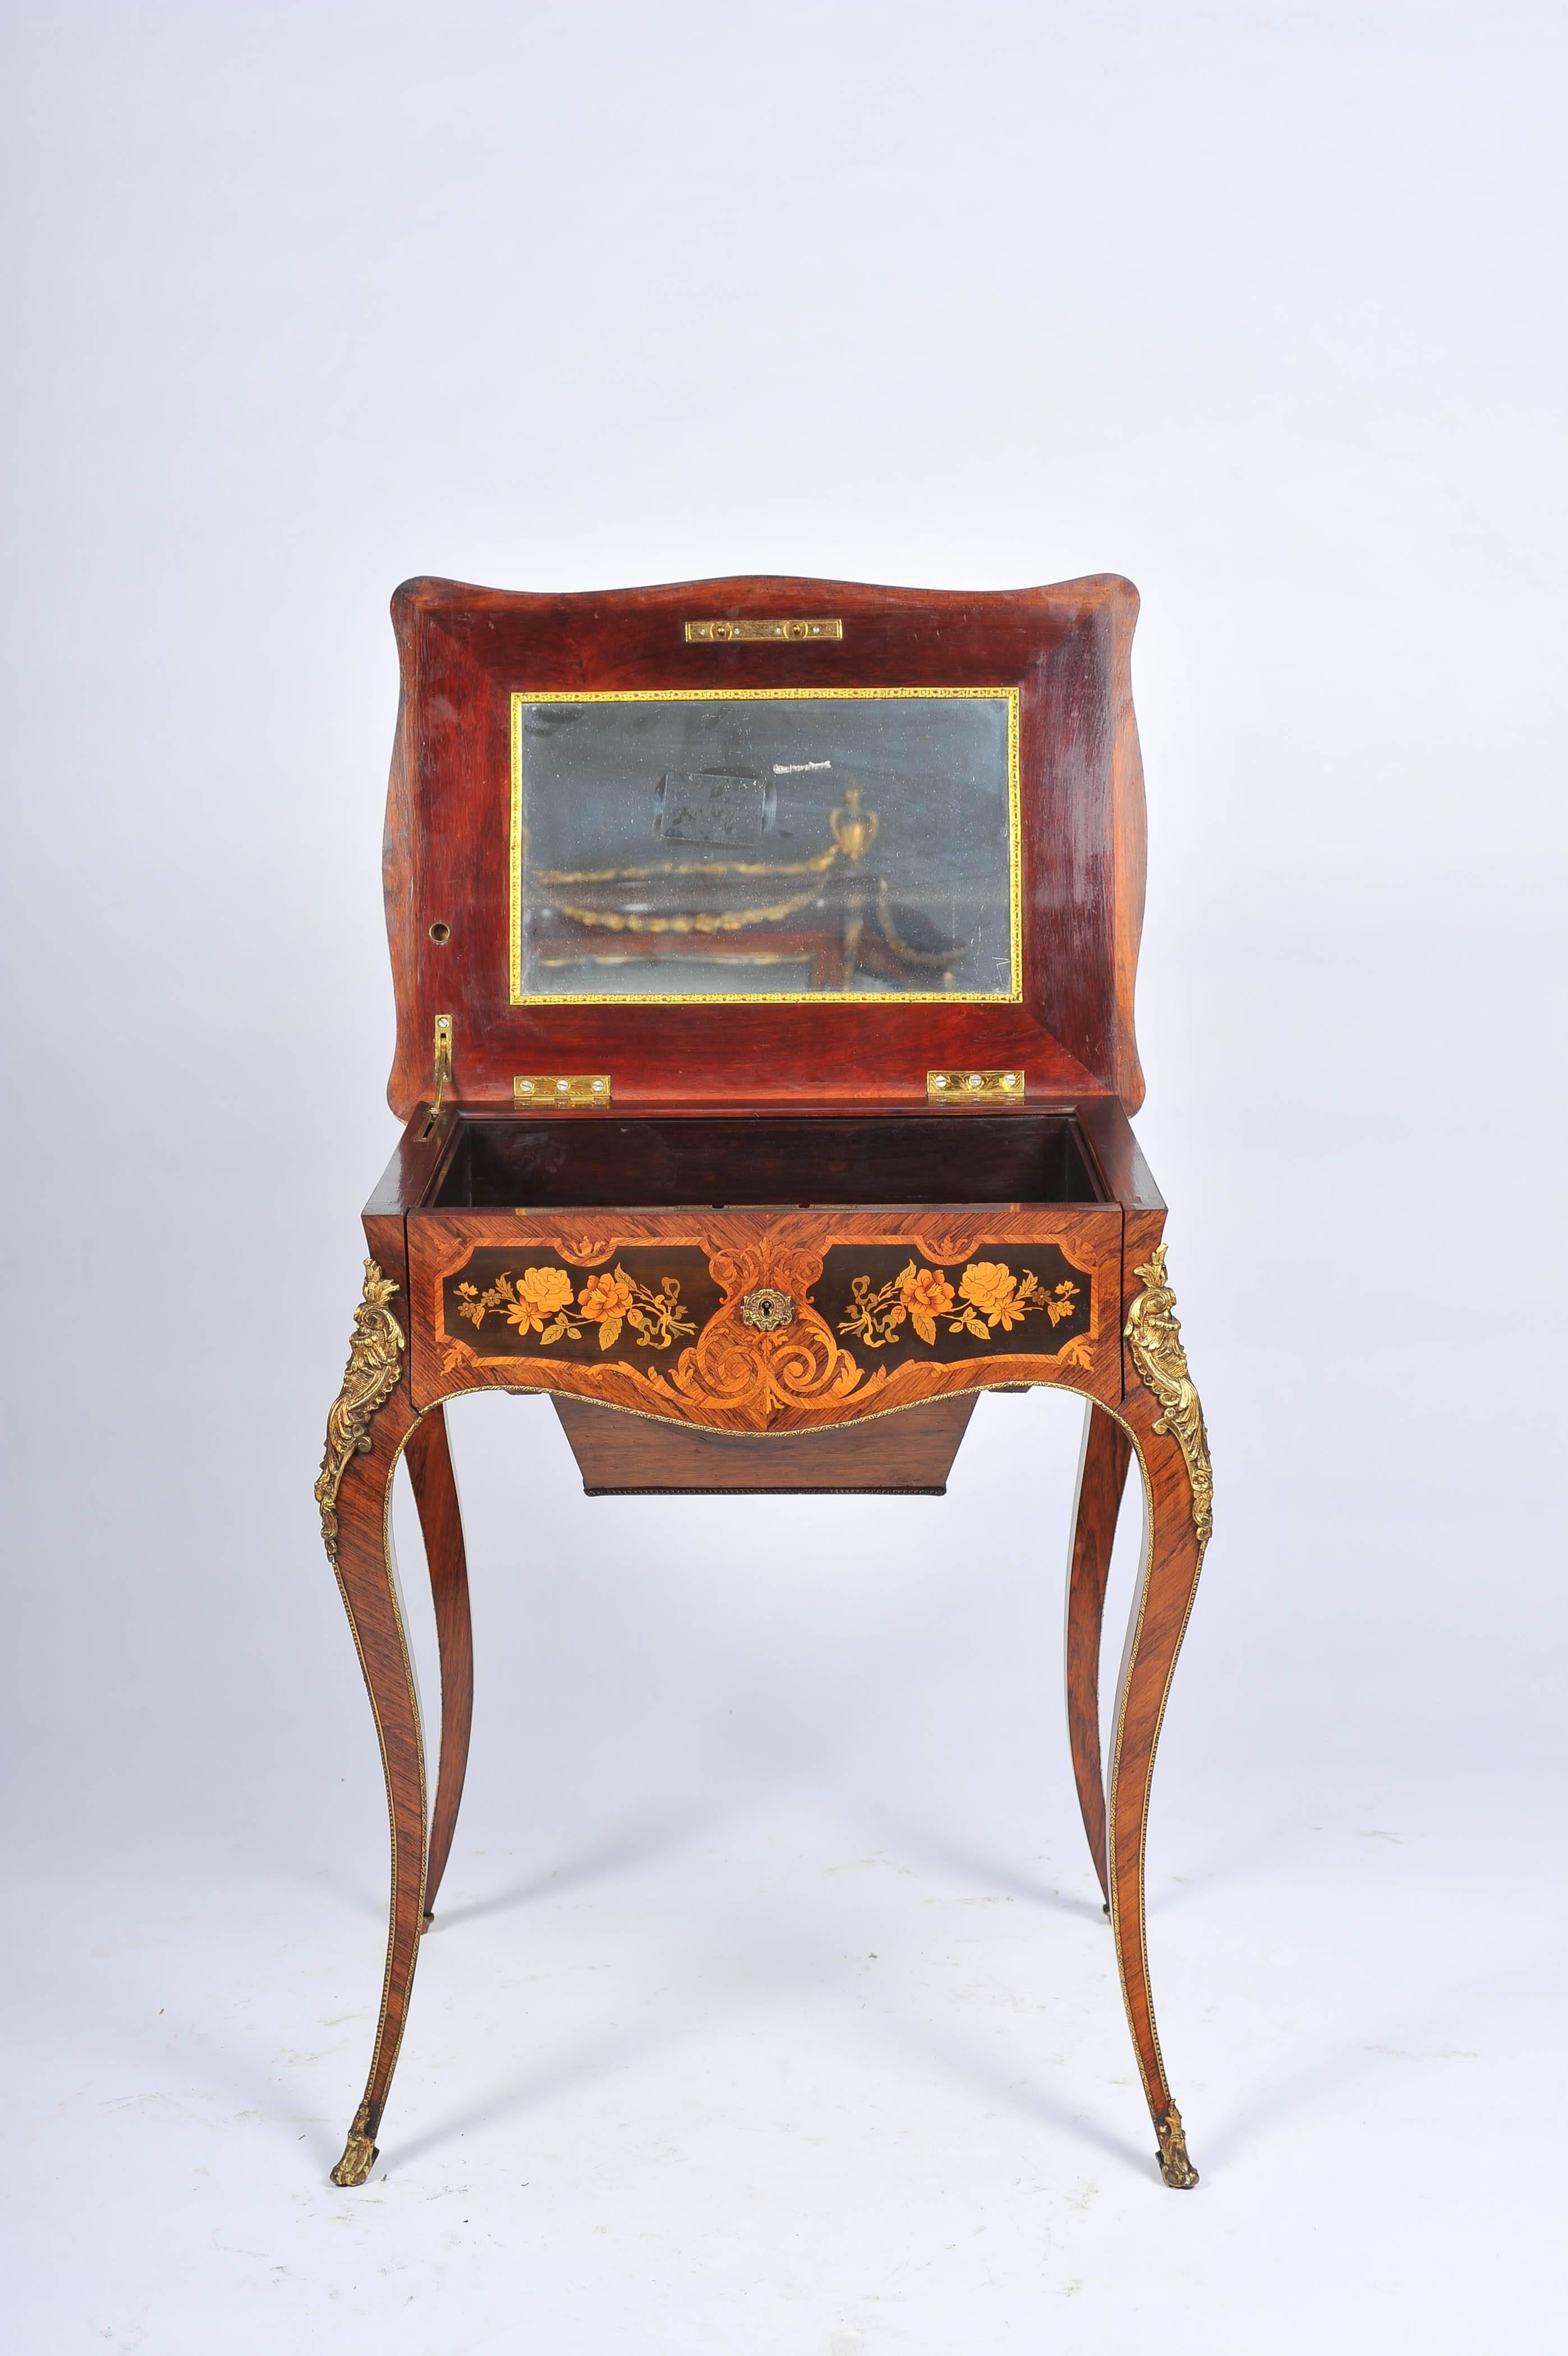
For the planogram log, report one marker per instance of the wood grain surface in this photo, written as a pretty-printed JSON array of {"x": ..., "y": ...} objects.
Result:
[
  {"x": 1167, "y": 1584},
  {"x": 1102, "y": 1476},
  {"x": 369, "y": 1585},
  {"x": 465, "y": 650},
  {"x": 434, "y": 1484},
  {"x": 909, "y": 1454}
]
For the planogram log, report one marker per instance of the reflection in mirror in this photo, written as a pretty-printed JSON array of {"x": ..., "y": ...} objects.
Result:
[{"x": 856, "y": 845}]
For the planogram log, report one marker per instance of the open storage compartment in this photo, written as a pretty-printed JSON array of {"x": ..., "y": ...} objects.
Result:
[{"x": 809, "y": 1162}]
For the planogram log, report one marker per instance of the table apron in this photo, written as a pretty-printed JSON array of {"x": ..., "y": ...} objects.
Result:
[{"x": 765, "y": 1321}]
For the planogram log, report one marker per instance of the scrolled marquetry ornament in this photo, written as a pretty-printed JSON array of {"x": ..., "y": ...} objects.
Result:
[
  {"x": 1154, "y": 1336},
  {"x": 369, "y": 1381},
  {"x": 1175, "y": 2166}
]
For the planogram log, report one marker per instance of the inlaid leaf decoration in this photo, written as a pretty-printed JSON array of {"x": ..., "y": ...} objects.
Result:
[
  {"x": 989, "y": 1298},
  {"x": 539, "y": 1301}
]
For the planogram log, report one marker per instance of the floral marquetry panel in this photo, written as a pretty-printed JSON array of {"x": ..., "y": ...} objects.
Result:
[
  {"x": 513, "y": 1302},
  {"x": 868, "y": 1310},
  {"x": 892, "y": 1302}
]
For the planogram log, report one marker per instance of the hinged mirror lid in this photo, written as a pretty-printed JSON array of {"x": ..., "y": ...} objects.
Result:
[{"x": 765, "y": 840}]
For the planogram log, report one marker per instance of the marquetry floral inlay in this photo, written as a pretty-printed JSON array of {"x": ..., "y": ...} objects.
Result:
[
  {"x": 989, "y": 1297},
  {"x": 539, "y": 1301}
]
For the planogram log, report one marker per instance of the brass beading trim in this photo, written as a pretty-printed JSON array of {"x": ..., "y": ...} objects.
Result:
[
  {"x": 1152, "y": 1336},
  {"x": 518, "y": 996}
]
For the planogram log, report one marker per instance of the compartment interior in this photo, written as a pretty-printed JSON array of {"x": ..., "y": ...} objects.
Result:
[{"x": 802, "y": 1161}]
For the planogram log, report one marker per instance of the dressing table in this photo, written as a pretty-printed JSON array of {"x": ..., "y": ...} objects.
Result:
[{"x": 764, "y": 953}]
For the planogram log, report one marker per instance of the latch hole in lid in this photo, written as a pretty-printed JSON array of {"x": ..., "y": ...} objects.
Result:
[{"x": 440, "y": 934}]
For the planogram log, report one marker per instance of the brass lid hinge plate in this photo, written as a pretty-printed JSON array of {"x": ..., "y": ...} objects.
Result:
[
  {"x": 962, "y": 1089},
  {"x": 441, "y": 1080},
  {"x": 561, "y": 1092}
]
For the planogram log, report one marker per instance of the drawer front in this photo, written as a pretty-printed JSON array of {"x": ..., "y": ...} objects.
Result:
[{"x": 763, "y": 1321}]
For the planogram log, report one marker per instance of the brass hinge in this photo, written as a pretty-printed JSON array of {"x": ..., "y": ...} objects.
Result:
[
  {"x": 442, "y": 1072},
  {"x": 553, "y": 1092},
  {"x": 986, "y": 1087},
  {"x": 717, "y": 633}
]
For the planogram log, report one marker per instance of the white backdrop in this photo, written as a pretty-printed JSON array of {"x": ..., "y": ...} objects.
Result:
[{"x": 772, "y": 2009}]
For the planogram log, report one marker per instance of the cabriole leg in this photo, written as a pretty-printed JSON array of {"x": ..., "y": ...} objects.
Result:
[
  {"x": 368, "y": 1423},
  {"x": 1166, "y": 1421},
  {"x": 1101, "y": 1477},
  {"x": 429, "y": 1457}
]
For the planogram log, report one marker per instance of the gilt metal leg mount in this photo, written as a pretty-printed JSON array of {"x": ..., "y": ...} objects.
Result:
[
  {"x": 368, "y": 1423},
  {"x": 1165, "y": 1419}
]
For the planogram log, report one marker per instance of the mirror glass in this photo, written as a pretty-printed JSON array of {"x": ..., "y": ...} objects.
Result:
[{"x": 765, "y": 844}]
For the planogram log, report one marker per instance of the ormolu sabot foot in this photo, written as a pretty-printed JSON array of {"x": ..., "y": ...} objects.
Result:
[
  {"x": 359, "y": 2152},
  {"x": 1175, "y": 2166}
]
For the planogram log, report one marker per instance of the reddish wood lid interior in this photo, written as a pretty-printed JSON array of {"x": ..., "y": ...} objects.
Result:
[{"x": 465, "y": 651}]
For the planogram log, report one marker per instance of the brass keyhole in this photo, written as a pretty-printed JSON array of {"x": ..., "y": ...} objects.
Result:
[{"x": 768, "y": 1310}]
